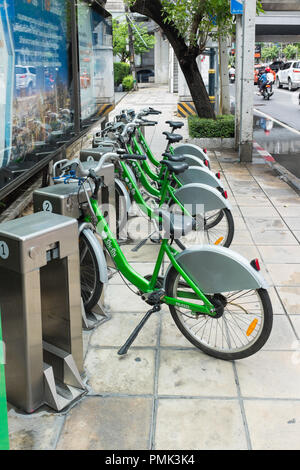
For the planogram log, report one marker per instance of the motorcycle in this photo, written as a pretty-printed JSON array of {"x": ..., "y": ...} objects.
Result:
[
  {"x": 232, "y": 77},
  {"x": 267, "y": 91}
]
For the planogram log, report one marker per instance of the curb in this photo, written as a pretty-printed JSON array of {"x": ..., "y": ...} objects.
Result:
[{"x": 285, "y": 174}]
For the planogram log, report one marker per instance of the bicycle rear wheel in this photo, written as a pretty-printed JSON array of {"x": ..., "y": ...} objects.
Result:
[{"x": 241, "y": 328}]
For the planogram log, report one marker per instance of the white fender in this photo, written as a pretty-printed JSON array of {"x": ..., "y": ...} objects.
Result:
[
  {"x": 216, "y": 269},
  {"x": 196, "y": 174},
  {"x": 191, "y": 149},
  {"x": 196, "y": 194}
]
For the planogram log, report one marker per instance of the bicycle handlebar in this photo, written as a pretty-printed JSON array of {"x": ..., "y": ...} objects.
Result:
[{"x": 82, "y": 172}]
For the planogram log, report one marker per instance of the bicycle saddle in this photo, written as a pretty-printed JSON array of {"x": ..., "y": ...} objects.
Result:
[
  {"x": 174, "y": 225},
  {"x": 173, "y": 138},
  {"x": 175, "y": 124},
  {"x": 174, "y": 158},
  {"x": 175, "y": 167}
]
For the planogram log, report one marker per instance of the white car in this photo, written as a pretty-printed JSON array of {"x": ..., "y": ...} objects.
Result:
[
  {"x": 289, "y": 74},
  {"x": 25, "y": 79}
]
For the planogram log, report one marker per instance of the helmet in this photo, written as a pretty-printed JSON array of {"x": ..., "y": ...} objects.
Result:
[{"x": 268, "y": 69}]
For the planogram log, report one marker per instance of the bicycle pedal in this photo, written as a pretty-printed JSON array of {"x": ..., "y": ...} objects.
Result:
[{"x": 154, "y": 298}]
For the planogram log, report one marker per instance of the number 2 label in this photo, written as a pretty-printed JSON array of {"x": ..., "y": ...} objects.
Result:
[{"x": 47, "y": 206}]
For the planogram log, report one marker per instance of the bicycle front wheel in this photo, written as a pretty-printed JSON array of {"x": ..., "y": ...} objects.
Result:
[
  {"x": 90, "y": 284},
  {"x": 241, "y": 328}
]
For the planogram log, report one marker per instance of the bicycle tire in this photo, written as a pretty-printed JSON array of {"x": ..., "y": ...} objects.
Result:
[
  {"x": 265, "y": 326},
  {"x": 90, "y": 283},
  {"x": 226, "y": 242}
]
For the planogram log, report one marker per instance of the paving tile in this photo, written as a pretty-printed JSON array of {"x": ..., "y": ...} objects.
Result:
[
  {"x": 131, "y": 374},
  {"x": 170, "y": 333},
  {"x": 85, "y": 340},
  {"x": 282, "y": 336},
  {"x": 108, "y": 424},
  {"x": 193, "y": 373},
  {"x": 121, "y": 299},
  {"x": 257, "y": 224},
  {"x": 273, "y": 425},
  {"x": 147, "y": 253},
  {"x": 142, "y": 268},
  {"x": 35, "y": 432},
  {"x": 253, "y": 199},
  {"x": 259, "y": 211},
  {"x": 195, "y": 424},
  {"x": 285, "y": 274},
  {"x": 290, "y": 297},
  {"x": 239, "y": 224},
  {"x": 274, "y": 237},
  {"x": 275, "y": 300},
  {"x": 280, "y": 254},
  {"x": 247, "y": 251},
  {"x": 120, "y": 326},
  {"x": 269, "y": 374},
  {"x": 289, "y": 211},
  {"x": 293, "y": 222},
  {"x": 286, "y": 200},
  {"x": 297, "y": 234},
  {"x": 242, "y": 237},
  {"x": 295, "y": 319}
]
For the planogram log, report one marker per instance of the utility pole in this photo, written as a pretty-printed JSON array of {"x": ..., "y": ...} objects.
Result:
[
  {"x": 131, "y": 48},
  {"x": 246, "y": 92},
  {"x": 224, "y": 75}
]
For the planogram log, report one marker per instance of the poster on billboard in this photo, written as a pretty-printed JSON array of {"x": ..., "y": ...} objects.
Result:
[
  {"x": 95, "y": 60},
  {"x": 35, "y": 98}
]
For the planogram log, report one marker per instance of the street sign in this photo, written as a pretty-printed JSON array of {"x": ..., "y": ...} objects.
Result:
[{"x": 237, "y": 7}]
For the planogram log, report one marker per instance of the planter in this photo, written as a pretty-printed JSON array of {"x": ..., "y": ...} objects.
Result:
[{"x": 213, "y": 143}]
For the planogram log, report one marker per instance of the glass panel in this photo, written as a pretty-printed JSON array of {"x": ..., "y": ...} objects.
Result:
[
  {"x": 96, "y": 61},
  {"x": 35, "y": 76}
]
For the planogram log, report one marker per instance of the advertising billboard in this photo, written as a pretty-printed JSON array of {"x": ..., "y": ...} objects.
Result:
[
  {"x": 35, "y": 78},
  {"x": 95, "y": 60}
]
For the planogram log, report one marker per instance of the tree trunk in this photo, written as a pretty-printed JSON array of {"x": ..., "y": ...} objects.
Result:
[
  {"x": 190, "y": 70},
  {"x": 186, "y": 57}
]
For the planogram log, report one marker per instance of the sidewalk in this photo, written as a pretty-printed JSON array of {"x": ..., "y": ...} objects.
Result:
[{"x": 165, "y": 394}]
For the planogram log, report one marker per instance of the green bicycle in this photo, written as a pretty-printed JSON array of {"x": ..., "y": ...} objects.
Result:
[
  {"x": 217, "y": 299},
  {"x": 209, "y": 208}
]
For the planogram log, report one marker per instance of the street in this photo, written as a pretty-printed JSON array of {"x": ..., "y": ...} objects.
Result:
[{"x": 277, "y": 126}]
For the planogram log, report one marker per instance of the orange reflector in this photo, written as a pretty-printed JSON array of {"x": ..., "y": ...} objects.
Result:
[
  {"x": 252, "y": 327},
  {"x": 219, "y": 241}
]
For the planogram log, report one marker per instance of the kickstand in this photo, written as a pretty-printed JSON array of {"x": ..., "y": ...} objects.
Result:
[{"x": 124, "y": 349}]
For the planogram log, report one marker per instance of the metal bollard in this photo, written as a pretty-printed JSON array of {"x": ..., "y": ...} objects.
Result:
[{"x": 41, "y": 311}]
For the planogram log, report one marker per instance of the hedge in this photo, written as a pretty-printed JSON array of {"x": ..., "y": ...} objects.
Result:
[
  {"x": 128, "y": 83},
  {"x": 121, "y": 70},
  {"x": 223, "y": 126}
]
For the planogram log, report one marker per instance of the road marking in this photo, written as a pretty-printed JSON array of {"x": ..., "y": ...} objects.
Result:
[{"x": 277, "y": 122}]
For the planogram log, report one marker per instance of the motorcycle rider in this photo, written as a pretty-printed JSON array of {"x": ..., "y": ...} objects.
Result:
[{"x": 265, "y": 78}]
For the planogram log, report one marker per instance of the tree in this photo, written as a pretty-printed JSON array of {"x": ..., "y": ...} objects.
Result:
[
  {"x": 143, "y": 41},
  {"x": 188, "y": 24},
  {"x": 290, "y": 51},
  {"x": 270, "y": 53}
]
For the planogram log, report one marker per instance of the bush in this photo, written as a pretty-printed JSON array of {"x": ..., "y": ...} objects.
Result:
[
  {"x": 121, "y": 70},
  {"x": 223, "y": 126},
  {"x": 128, "y": 83}
]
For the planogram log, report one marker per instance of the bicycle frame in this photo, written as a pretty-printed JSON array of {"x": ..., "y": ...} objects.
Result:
[
  {"x": 166, "y": 192},
  {"x": 142, "y": 283}
]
